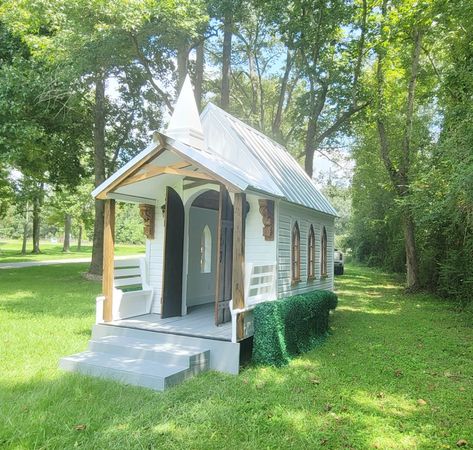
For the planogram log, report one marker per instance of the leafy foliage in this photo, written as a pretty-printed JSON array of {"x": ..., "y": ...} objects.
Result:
[
  {"x": 290, "y": 326},
  {"x": 441, "y": 172}
]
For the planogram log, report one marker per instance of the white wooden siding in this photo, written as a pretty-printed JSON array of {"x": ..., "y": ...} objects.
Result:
[
  {"x": 258, "y": 251},
  {"x": 154, "y": 255},
  {"x": 288, "y": 214}
]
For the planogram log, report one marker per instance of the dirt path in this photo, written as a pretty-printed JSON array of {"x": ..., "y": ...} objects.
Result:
[{"x": 50, "y": 262}]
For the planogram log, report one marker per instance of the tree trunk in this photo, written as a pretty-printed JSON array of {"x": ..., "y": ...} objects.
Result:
[
  {"x": 309, "y": 148},
  {"x": 253, "y": 82},
  {"x": 226, "y": 59},
  {"x": 79, "y": 239},
  {"x": 276, "y": 125},
  {"x": 99, "y": 159},
  {"x": 411, "y": 253},
  {"x": 67, "y": 233},
  {"x": 182, "y": 62},
  {"x": 25, "y": 230},
  {"x": 199, "y": 74},
  {"x": 400, "y": 176},
  {"x": 37, "y": 202}
]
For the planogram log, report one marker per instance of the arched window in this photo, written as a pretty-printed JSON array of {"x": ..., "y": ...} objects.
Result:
[
  {"x": 311, "y": 254},
  {"x": 323, "y": 253},
  {"x": 296, "y": 253},
  {"x": 206, "y": 250}
]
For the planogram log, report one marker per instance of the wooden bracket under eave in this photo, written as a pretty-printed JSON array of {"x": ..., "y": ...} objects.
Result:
[
  {"x": 266, "y": 209},
  {"x": 148, "y": 213}
]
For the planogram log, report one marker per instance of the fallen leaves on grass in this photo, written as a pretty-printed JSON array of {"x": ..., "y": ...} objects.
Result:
[
  {"x": 421, "y": 402},
  {"x": 80, "y": 427},
  {"x": 462, "y": 443}
]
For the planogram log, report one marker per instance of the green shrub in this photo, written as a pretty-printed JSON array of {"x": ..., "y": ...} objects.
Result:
[{"x": 288, "y": 327}]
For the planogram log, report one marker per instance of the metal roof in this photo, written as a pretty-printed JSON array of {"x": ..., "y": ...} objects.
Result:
[{"x": 268, "y": 166}]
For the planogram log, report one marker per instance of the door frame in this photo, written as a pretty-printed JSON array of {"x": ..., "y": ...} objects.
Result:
[
  {"x": 219, "y": 276},
  {"x": 185, "y": 270}
]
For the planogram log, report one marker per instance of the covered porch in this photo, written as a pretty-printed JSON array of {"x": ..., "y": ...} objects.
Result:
[
  {"x": 198, "y": 322},
  {"x": 168, "y": 187}
]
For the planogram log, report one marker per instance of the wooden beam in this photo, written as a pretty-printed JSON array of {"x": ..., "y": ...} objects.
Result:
[
  {"x": 188, "y": 173},
  {"x": 131, "y": 198},
  {"x": 197, "y": 183},
  {"x": 173, "y": 169},
  {"x": 132, "y": 170},
  {"x": 148, "y": 173},
  {"x": 238, "y": 279},
  {"x": 108, "y": 251}
]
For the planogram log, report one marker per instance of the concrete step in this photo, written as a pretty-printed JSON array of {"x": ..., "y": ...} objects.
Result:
[
  {"x": 139, "y": 348},
  {"x": 224, "y": 355},
  {"x": 135, "y": 371}
]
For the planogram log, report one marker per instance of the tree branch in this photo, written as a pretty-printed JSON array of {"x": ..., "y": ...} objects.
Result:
[{"x": 146, "y": 65}]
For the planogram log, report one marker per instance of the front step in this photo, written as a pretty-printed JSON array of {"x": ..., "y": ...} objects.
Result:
[
  {"x": 224, "y": 355},
  {"x": 140, "y": 362},
  {"x": 165, "y": 352}
]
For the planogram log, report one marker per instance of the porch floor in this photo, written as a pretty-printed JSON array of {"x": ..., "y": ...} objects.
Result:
[{"x": 199, "y": 322}]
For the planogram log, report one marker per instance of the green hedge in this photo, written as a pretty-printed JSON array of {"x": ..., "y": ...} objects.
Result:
[{"x": 291, "y": 326}]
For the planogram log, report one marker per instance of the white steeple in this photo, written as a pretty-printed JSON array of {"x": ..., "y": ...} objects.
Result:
[{"x": 185, "y": 125}]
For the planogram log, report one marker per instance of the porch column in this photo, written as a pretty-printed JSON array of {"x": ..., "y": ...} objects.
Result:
[
  {"x": 238, "y": 283},
  {"x": 108, "y": 251}
]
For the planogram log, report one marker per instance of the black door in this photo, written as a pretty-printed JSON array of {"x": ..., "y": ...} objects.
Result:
[
  {"x": 224, "y": 258},
  {"x": 171, "y": 303}
]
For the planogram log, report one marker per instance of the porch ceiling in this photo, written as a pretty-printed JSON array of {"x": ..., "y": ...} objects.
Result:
[
  {"x": 152, "y": 178},
  {"x": 165, "y": 163}
]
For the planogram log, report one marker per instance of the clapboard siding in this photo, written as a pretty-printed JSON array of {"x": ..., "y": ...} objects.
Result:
[
  {"x": 287, "y": 215},
  {"x": 155, "y": 251},
  {"x": 258, "y": 251}
]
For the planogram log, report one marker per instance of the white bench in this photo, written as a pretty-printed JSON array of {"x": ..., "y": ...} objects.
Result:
[{"x": 132, "y": 295}]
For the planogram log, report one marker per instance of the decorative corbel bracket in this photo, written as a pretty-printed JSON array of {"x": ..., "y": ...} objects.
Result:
[
  {"x": 266, "y": 209},
  {"x": 147, "y": 213}
]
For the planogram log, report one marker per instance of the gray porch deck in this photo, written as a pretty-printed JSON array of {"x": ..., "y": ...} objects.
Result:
[{"x": 199, "y": 322}]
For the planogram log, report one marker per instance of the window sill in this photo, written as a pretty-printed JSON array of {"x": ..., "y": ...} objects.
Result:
[
  {"x": 311, "y": 278},
  {"x": 295, "y": 282},
  {"x": 324, "y": 276}
]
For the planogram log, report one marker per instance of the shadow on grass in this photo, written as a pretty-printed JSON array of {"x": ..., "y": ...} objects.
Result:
[
  {"x": 360, "y": 389},
  {"x": 264, "y": 407}
]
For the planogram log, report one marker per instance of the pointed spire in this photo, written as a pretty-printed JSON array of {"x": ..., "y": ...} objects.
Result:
[{"x": 185, "y": 125}]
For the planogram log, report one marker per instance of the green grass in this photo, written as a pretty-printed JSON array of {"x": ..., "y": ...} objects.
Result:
[
  {"x": 10, "y": 251},
  {"x": 360, "y": 389}
]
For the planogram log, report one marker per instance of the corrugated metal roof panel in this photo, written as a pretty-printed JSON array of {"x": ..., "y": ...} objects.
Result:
[{"x": 271, "y": 166}]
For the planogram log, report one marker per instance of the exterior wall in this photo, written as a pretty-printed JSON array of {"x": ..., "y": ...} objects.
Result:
[
  {"x": 288, "y": 214},
  {"x": 154, "y": 257},
  {"x": 258, "y": 251},
  {"x": 201, "y": 286}
]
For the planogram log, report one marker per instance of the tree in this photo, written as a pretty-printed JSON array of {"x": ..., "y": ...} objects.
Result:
[
  {"x": 113, "y": 44},
  {"x": 39, "y": 132},
  {"x": 400, "y": 175},
  {"x": 329, "y": 49}
]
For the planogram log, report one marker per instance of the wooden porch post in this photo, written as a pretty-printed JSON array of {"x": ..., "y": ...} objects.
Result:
[
  {"x": 238, "y": 284},
  {"x": 108, "y": 250}
]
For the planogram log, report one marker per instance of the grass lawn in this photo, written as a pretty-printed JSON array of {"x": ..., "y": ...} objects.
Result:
[
  {"x": 10, "y": 251},
  {"x": 397, "y": 372}
]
